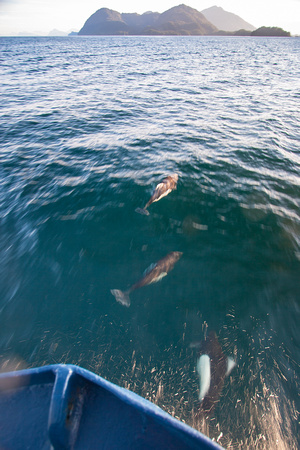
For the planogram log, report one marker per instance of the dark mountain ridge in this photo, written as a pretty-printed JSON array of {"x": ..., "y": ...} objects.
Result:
[{"x": 180, "y": 20}]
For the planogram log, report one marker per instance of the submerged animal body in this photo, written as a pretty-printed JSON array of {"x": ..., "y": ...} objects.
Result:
[
  {"x": 167, "y": 185},
  {"x": 152, "y": 275},
  {"x": 212, "y": 368}
]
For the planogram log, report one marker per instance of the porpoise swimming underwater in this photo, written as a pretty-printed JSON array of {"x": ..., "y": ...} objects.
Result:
[
  {"x": 167, "y": 185},
  {"x": 212, "y": 367},
  {"x": 152, "y": 275}
]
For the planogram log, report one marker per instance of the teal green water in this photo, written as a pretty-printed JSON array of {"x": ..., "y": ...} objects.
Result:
[{"x": 89, "y": 126}]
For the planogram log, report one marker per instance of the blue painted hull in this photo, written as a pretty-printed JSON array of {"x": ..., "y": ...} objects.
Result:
[{"x": 67, "y": 407}]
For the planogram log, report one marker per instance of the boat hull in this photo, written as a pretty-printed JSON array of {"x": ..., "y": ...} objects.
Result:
[{"x": 67, "y": 407}]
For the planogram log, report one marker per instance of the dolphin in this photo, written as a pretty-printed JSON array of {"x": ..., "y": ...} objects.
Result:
[
  {"x": 163, "y": 188},
  {"x": 153, "y": 274},
  {"x": 212, "y": 367}
]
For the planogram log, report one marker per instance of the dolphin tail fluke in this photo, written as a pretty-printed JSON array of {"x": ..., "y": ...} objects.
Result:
[
  {"x": 142, "y": 211},
  {"x": 121, "y": 297}
]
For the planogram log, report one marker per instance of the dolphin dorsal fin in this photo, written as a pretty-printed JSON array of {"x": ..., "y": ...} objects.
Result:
[
  {"x": 204, "y": 371},
  {"x": 230, "y": 365},
  {"x": 148, "y": 270}
]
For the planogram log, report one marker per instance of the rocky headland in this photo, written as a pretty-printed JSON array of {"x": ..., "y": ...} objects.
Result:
[{"x": 179, "y": 20}]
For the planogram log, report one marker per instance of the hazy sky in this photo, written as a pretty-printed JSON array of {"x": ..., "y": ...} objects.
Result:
[{"x": 44, "y": 15}]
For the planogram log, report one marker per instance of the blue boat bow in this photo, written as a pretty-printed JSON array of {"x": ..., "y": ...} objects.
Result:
[{"x": 67, "y": 407}]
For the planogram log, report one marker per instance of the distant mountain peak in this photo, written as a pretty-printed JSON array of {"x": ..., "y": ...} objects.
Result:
[
  {"x": 225, "y": 20},
  {"x": 178, "y": 20}
]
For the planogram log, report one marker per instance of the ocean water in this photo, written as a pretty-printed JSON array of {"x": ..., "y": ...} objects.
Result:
[{"x": 89, "y": 126}]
